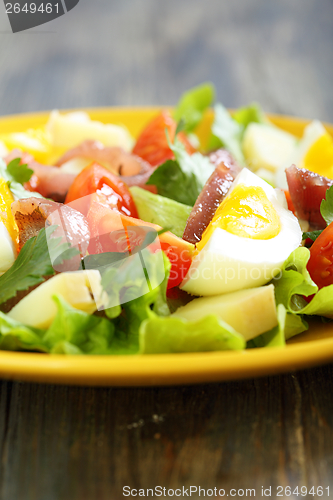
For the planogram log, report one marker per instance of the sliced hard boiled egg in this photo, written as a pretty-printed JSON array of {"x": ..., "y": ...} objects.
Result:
[
  {"x": 8, "y": 229},
  {"x": 315, "y": 151},
  {"x": 245, "y": 245},
  {"x": 70, "y": 129},
  {"x": 267, "y": 147}
]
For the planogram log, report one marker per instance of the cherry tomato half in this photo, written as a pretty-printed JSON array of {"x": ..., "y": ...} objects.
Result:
[
  {"x": 152, "y": 144},
  {"x": 99, "y": 180},
  {"x": 320, "y": 265},
  {"x": 111, "y": 231}
]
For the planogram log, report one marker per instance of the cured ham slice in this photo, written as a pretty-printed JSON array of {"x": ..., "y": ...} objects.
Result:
[
  {"x": 32, "y": 214},
  {"x": 132, "y": 169},
  {"x": 115, "y": 159},
  {"x": 212, "y": 195},
  {"x": 307, "y": 190},
  {"x": 49, "y": 181}
]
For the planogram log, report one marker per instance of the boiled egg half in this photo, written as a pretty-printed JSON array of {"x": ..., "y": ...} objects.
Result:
[
  {"x": 315, "y": 150},
  {"x": 245, "y": 245},
  {"x": 8, "y": 230}
]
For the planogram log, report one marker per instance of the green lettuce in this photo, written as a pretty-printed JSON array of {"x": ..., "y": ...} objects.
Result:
[
  {"x": 76, "y": 332},
  {"x": 17, "y": 337},
  {"x": 192, "y": 105},
  {"x": 295, "y": 282},
  {"x": 160, "y": 210},
  {"x": 249, "y": 114},
  {"x": 228, "y": 131},
  {"x": 175, "y": 335}
]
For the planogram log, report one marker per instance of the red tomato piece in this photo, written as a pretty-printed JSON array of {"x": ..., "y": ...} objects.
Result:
[
  {"x": 320, "y": 265},
  {"x": 152, "y": 144},
  {"x": 99, "y": 180},
  {"x": 32, "y": 184},
  {"x": 289, "y": 201},
  {"x": 114, "y": 232}
]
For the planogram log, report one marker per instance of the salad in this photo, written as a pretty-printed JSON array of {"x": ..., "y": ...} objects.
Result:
[{"x": 165, "y": 242}]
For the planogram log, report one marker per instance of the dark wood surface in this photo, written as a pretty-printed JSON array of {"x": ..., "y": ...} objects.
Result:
[{"x": 69, "y": 443}]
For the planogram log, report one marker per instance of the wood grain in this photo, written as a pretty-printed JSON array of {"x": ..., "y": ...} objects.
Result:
[
  {"x": 85, "y": 443},
  {"x": 68, "y": 443}
]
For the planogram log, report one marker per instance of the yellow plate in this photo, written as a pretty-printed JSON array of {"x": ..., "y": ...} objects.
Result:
[{"x": 308, "y": 349}]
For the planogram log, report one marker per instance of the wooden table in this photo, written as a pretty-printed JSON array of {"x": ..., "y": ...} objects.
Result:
[{"x": 72, "y": 443}]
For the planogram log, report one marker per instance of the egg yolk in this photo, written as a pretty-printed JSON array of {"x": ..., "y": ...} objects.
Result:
[
  {"x": 246, "y": 212},
  {"x": 319, "y": 157},
  {"x": 6, "y": 216}
]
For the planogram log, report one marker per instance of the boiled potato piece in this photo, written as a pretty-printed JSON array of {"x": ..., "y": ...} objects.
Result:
[
  {"x": 3, "y": 149},
  {"x": 75, "y": 165},
  {"x": 267, "y": 147},
  {"x": 250, "y": 312},
  {"x": 81, "y": 289},
  {"x": 69, "y": 130}
]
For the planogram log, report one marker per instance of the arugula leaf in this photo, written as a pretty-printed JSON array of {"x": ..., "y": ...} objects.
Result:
[
  {"x": 19, "y": 173},
  {"x": 33, "y": 263},
  {"x": 193, "y": 104},
  {"x": 326, "y": 206},
  {"x": 182, "y": 179}
]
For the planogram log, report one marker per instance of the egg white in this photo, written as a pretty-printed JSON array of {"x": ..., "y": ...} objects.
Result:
[
  {"x": 229, "y": 262},
  {"x": 7, "y": 249}
]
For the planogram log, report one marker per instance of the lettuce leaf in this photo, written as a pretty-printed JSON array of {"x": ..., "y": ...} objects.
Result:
[
  {"x": 182, "y": 179},
  {"x": 76, "y": 332},
  {"x": 295, "y": 281},
  {"x": 161, "y": 210},
  {"x": 228, "y": 131},
  {"x": 249, "y": 114},
  {"x": 193, "y": 104},
  {"x": 17, "y": 337},
  {"x": 174, "y": 335}
]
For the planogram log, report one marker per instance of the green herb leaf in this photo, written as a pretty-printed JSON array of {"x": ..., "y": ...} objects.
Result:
[
  {"x": 15, "y": 173},
  {"x": 326, "y": 206},
  {"x": 19, "y": 173},
  {"x": 182, "y": 179},
  {"x": 33, "y": 263},
  {"x": 193, "y": 104},
  {"x": 313, "y": 235}
]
